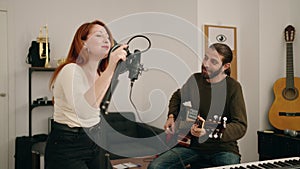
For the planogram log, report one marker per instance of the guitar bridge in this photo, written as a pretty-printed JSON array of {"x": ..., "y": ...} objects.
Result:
[{"x": 289, "y": 113}]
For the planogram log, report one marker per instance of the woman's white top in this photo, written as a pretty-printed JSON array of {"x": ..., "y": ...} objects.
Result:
[{"x": 70, "y": 105}]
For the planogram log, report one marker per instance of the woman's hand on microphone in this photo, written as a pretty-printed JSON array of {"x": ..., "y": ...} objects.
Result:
[{"x": 118, "y": 54}]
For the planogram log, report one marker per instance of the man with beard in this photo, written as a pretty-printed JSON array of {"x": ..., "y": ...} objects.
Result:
[{"x": 211, "y": 92}]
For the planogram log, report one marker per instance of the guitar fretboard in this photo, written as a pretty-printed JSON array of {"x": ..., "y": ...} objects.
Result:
[{"x": 289, "y": 66}]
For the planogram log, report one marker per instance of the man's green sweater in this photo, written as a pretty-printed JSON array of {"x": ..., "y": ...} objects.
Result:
[{"x": 223, "y": 98}]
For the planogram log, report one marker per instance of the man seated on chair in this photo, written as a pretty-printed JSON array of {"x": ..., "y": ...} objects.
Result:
[{"x": 211, "y": 92}]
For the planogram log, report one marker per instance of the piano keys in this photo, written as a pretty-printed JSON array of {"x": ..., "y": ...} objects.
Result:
[{"x": 283, "y": 163}]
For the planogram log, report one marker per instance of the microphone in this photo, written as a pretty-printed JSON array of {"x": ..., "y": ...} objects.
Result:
[
  {"x": 133, "y": 60},
  {"x": 134, "y": 65}
]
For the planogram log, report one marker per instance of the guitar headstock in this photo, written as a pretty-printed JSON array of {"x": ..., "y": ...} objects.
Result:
[
  {"x": 215, "y": 127},
  {"x": 289, "y": 33}
]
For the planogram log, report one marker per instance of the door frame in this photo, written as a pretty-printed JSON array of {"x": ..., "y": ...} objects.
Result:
[
  {"x": 4, "y": 6},
  {"x": 4, "y": 89}
]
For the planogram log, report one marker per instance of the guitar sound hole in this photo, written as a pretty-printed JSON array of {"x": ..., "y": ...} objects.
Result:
[{"x": 290, "y": 93}]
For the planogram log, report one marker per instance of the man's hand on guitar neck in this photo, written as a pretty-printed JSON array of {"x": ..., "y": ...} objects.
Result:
[
  {"x": 170, "y": 124},
  {"x": 197, "y": 129}
]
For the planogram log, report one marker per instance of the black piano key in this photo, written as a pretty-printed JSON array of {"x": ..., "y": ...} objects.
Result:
[
  {"x": 288, "y": 162},
  {"x": 253, "y": 167},
  {"x": 241, "y": 167},
  {"x": 293, "y": 162},
  {"x": 267, "y": 165},
  {"x": 271, "y": 165},
  {"x": 262, "y": 165},
  {"x": 279, "y": 163},
  {"x": 283, "y": 164},
  {"x": 276, "y": 165}
]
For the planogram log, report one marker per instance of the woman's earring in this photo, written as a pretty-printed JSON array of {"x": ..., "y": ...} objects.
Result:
[{"x": 85, "y": 46}]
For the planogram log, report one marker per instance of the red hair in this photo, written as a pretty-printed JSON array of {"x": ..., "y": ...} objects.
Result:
[{"x": 79, "y": 56}]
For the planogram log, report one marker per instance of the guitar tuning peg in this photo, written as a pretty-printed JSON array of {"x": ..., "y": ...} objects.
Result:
[
  {"x": 220, "y": 135},
  {"x": 210, "y": 135},
  {"x": 224, "y": 119},
  {"x": 216, "y": 117},
  {"x": 216, "y": 135}
]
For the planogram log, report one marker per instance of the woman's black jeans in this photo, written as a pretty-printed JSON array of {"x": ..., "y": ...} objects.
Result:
[{"x": 71, "y": 148}]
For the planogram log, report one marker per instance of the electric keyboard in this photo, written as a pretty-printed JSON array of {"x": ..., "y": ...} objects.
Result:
[{"x": 283, "y": 163}]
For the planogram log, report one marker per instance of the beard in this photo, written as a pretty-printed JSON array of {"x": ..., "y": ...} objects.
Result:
[{"x": 212, "y": 75}]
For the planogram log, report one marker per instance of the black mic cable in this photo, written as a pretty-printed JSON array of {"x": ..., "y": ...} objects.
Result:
[
  {"x": 132, "y": 64},
  {"x": 150, "y": 128},
  {"x": 134, "y": 71}
]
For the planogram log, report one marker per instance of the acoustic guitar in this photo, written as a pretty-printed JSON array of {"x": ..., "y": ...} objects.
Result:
[
  {"x": 214, "y": 126},
  {"x": 285, "y": 110}
]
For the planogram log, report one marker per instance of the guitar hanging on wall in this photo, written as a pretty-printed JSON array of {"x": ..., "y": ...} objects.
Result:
[{"x": 285, "y": 110}]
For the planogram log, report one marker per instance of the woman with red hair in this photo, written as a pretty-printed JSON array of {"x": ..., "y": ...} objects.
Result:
[{"x": 79, "y": 86}]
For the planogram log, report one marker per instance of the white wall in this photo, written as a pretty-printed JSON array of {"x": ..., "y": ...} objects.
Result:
[
  {"x": 261, "y": 51},
  {"x": 63, "y": 20},
  {"x": 64, "y": 17},
  {"x": 273, "y": 49}
]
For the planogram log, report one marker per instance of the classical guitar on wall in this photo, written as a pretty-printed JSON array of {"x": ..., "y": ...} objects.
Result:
[{"x": 285, "y": 110}]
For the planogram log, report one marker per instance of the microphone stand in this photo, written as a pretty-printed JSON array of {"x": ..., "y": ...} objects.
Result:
[
  {"x": 121, "y": 67},
  {"x": 114, "y": 81},
  {"x": 105, "y": 103},
  {"x": 134, "y": 71}
]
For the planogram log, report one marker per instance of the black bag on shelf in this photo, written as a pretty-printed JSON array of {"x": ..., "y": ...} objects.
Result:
[
  {"x": 24, "y": 153},
  {"x": 33, "y": 56}
]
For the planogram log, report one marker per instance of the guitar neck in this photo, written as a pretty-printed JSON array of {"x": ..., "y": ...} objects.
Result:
[{"x": 289, "y": 66}]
